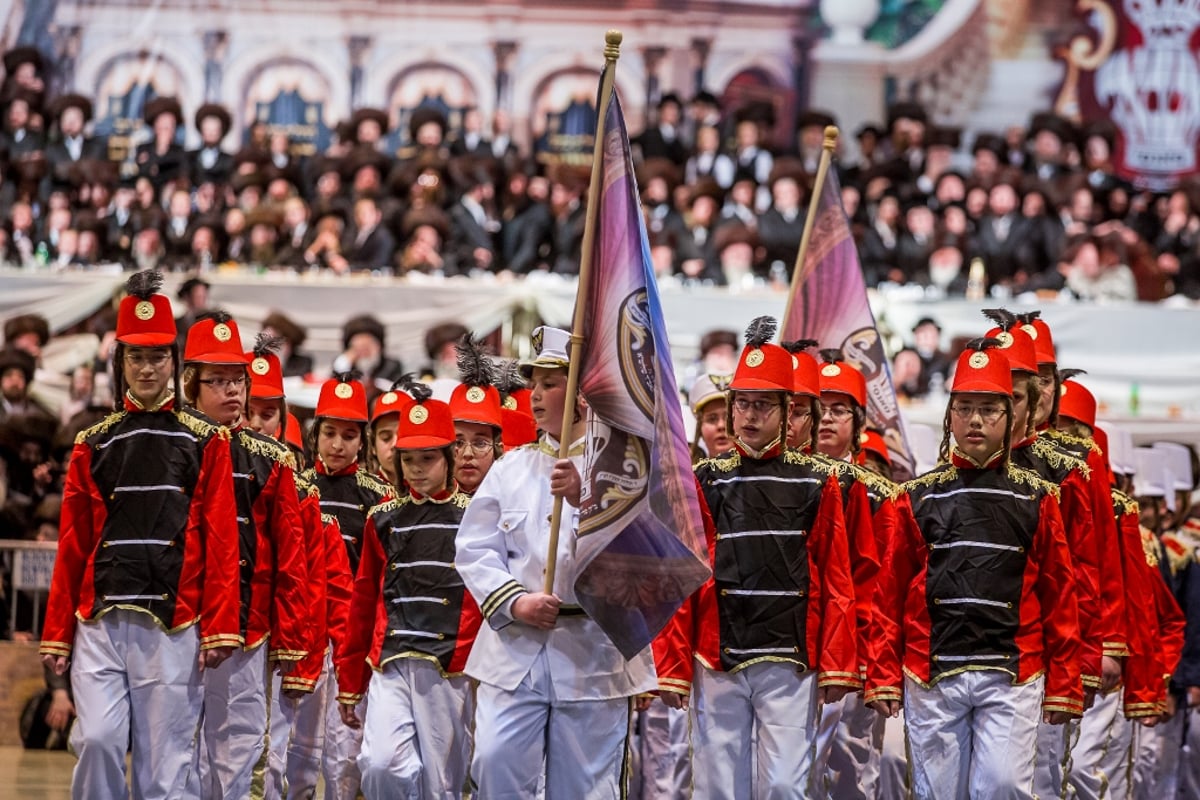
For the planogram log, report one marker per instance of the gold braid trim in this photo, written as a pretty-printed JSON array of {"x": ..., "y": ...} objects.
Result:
[
  {"x": 369, "y": 481},
  {"x": 1124, "y": 503},
  {"x": 99, "y": 427},
  {"x": 1078, "y": 441},
  {"x": 388, "y": 505},
  {"x": 1046, "y": 450},
  {"x": 821, "y": 462},
  {"x": 875, "y": 483},
  {"x": 1032, "y": 480},
  {"x": 1179, "y": 554},
  {"x": 942, "y": 473},
  {"x": 305, "y": 484},
  {"x": 267, "y": 448},
  {"x": 727, "y": 464},
  {"x": 1151, "y": 547},
  {"x": 200, "y": 427},
  {"x": 329, "y": 519},
  {"x": 460, "y": 500}
]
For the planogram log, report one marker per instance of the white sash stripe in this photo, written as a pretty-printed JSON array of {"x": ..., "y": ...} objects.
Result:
[
  {"x": 742, "y": 534},
  {"x": 133, "y": 597},
  {"x": 980, "y": 490},
  {"x": 980, "y": 657},
  {"x": 439, "y": 525},
  {"x": 116, "y": 542},
  {"x": 971, "y": 601},
  {"x": 423, "y": 634},
  {"x": 338, "y": 504},
  {"x": 163, "y": 487},
  {"x": 406, "y": 564},
  {"x": 762, "y": 592},
  {"x": 988, "y": 545},
  {"x": 147, "y": 432},
  {"x": 765, "y": 478},
  {"x": 418, "y": 599},
  {"x": 758, "y": 650}
]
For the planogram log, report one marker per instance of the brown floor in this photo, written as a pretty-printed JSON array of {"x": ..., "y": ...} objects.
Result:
[{"x": 35, "y": 774}]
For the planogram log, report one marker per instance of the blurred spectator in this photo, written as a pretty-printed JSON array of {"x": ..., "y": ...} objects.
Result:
[
  {"x": 17, "y": 369},
  {"x": 28, "y": 333},
  {"x": 363, "y": 340},
  {"x": 193, "y": 293},
  {"x": 936, "y": 363},
  {"x": 294, "y": 362}
]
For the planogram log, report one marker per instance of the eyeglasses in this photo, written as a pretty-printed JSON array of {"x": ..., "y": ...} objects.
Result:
[
  {"x": 478, "y": 446},
  {"x": 839, "y": 412},
  {"x": 760, "y": 407},
  {"x": 221, "y": 384},
  {"x": 989, "y": 413},
  {"x": 141, "y": 359}
]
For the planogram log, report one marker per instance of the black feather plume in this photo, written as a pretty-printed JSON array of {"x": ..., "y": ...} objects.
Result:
[
  {"x": 509, "y": 378},
  {"x": 1067, "y": 374},
  {"x": 475, "y": 367},
  {"x": 347, "y": 376},
  {"x": 1005, "y": 320},
  {"x": 761, "y": 331},
  {"x": 266, "y": 343},
  {"x": 798, "y": 346},
  {"x": 983, "y": 343},
  {"x": 216, "y": 315},
  {"x": 831, "y": 355},
  {"x": 415, "y": 389},
  {"x": 145, "y": 283},
  {"x": 1027, "y": 317}
]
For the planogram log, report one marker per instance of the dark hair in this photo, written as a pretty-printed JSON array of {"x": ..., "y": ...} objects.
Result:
[
  {"x": 1034, "y": 395},
  {"x": 784, "y": 413},
  {"x": 189, "y": 379},
  {"x": 447, "y": 453},
  {"x": 121, "y": 388},
  {"x": 314, "y": 433},
  {"x": 944, "y": 448}
]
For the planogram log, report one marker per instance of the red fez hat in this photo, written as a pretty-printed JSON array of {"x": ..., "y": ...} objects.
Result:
[
  {"x": 839, "y": 375},
  {"x": 343, "y": 398},
  {"x": 982, "y": 367},
  {"x": 144, "y": 317},
  {"x": 266, "y": 373},
  {"x": 1039, "y": 331},
  {"x": 872, "y": 442},
  {"x": 295, "y": 432},
  {"x": 518, "y": 428},
  {"x": 1014, "y": 339},
  {"x": 1076, "y": 402},
  {"x": 427, "y": 423},
  {"x": 476, "y": 399},
  {"x": 763, "y": 367},
  {"x": 806, "y": 378},
  {"x": 392, "y": 401},
  {"x": 214, "y": 340}
]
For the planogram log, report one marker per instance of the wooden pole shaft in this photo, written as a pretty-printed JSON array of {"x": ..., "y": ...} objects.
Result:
[{"x": 827, "y": 148}]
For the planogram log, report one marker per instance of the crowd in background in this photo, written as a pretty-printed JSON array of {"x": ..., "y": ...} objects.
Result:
[{"x": 1040, "y": 204}]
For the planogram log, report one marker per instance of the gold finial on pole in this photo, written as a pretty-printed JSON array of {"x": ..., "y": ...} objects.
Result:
[{"x": 612, "y": 45}]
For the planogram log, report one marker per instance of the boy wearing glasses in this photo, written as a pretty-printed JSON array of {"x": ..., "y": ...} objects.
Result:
[
  {"x": 273, "y": 570},
  {"x": 148, "y": 549},
  {"x": 976, "y": 625},
  {"x": 770, "y": 637},
  {"x": 478, "y": 419}
]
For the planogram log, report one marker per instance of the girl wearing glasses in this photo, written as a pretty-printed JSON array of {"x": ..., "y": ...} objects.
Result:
[
  {"x": 758, "y": 649},
  {"x": 144, "y": 596},
  {"x": 348, "y": 491},
  {"x": 273, "y": 573},
  {"x": 976, "y": 619},
  {"x": 478, "y": 419},
  {"x": 413, "y": 623}
]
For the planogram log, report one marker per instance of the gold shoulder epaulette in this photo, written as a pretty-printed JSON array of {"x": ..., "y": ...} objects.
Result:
[
  {"x": 1151, "y": 547},
  {"x": 1032, "y": 480},
  {"x": 99, "y": 427},
  {"x": 369, "y": 481},
  {"x": 390, "y": 504},
  {"x": 724, "y": 464},
  {"x": 305, "y": 484},
  {"x": 1079, "y": 441},
  {"x": 874, "y": 482},
  {"x": 461, "y": 499},
  {"x": 1044, "y": 448},
  {"x": 1179, "y": 555},
  {"x": 329, "y": 519},
  {"x": 942, "y": 473},
  {"x": 200, "y": 427},
  {"x": 819, "y": 461},
  {"x": 1126, "y": 503},
  {"x": 267, "y": 448}
]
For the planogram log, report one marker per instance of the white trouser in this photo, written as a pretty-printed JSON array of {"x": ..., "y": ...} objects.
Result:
[
  {"x": 666, "y": 769},
  {"x": 417, "y": 735},
  {"x": 1096, "y": 756},
  {"x": 973, "y": 735},
  {"x": 579, "y": 746},
  {"x": 234, "y": 724},
  {"x": 853, "y": 769},
  {"x": 1053, "y": 764},
  {"x": 894, "y": 783},
  {"x": 769, "y": 699},
  {"x": 1117, "y": 762},
  {"x": 1189, "y": 762},
  {"x": 1157, "y": 753},
  {"x": 134, "y": 684},
  {"x": 297, "y": 737},
  {"x": 339, "y": 757}
]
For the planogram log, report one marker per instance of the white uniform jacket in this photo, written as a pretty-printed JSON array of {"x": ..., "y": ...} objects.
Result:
[{"x": 501, "y": 553}]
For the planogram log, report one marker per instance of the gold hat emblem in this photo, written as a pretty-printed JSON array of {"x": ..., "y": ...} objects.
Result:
[
  {"x": 1032, "y": 331},
  {"x": 978, "y": 361},
  {"x": 863, "y": 438},
  {"x": 1062, "y": 390},
  {"x": 475, "y": 395},
  {"x": 417, "y": 414},
  {"x": 343, "y": 391},
  {"x": 144, "y": 310},
  {"x": 388, "y": 399},
  {"x": 831, "y": 370},
  {"x": 1005, "y": 338},
  {"x": 795, "y": 362},
  {"x": 755, "y": 357},
  {"x": 260, "y": 366},
  {"x": 510, "y": 403},
  {"x": 222, "y": 333},
  {"x": 537, "y": 341}
]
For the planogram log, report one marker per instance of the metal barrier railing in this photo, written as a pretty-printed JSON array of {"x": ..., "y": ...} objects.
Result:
[{"x": 31, "y": 566}]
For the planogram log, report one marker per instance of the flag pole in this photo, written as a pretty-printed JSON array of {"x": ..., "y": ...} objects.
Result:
[
  {"x": 814, "y": 201},
  {"x": 612, "y": 51}
]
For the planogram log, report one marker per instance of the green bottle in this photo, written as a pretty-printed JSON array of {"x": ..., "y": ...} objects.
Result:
[{"x": 1134, "y": 402}]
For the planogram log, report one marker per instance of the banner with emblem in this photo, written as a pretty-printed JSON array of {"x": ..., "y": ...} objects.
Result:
[
  {"x": 831, "y": 307},
  {"x": 640, "y": 550}
]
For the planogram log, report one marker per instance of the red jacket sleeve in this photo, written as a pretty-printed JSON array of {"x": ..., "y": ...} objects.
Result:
[
  {"x": 1055, "y": 589},
  {"x": 290, "y": 636},
  {"x": 353, "y": 671},
  {"x": 81, "y": 520},
  {"x": 675, "y": 646},
  {"x": 1080, "y": 531},
  {"x": 1143, "y": 669},
  {"x": 308, "y": 671},
  {"x": 1114, "y": 639},
  {"x": 862, "y": 545},
  {"x": 903, "y": 561},
  {"x": 220, "y": 604},
  {"x": 829, "y": 569},
  {"x": 339, "y": 584}
]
